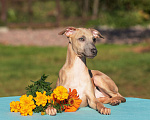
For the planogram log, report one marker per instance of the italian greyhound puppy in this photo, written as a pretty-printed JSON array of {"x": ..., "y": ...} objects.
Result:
[{"x": 94, "y": 87}]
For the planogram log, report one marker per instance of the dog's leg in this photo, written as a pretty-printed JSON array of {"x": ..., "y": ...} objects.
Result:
[
  {"x": 107, "y": 86},
  {"x": 95, "y": 104}
]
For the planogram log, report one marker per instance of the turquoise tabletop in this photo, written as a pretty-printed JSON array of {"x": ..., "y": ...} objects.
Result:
[{"x": 133, "y": 109}]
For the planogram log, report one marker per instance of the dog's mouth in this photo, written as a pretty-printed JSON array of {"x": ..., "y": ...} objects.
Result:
[
  {"x": 88, "y": 56},
  {"x": 91, "y": 56}
]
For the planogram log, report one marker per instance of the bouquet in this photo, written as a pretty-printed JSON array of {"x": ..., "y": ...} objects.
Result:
[{"x": 40, "y": 98}]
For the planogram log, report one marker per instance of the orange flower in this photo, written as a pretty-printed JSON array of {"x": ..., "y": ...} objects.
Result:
[
  {"x": 73, "y": 100},
  {"x": 43, "y": 113}
]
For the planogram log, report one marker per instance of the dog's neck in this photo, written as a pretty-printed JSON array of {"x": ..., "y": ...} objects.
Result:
[{"x": 73, "y": 58}]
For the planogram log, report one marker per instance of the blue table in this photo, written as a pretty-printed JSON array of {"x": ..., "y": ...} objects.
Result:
[{"x": 133, "y": 109}]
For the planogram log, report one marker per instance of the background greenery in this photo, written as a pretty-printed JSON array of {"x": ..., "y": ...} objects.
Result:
[
  {"x": 125, "y": 64},
  {"x": 114, "y": 13}
]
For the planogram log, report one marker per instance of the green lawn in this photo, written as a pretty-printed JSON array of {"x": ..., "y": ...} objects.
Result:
[{"x": 18, "y": 65}]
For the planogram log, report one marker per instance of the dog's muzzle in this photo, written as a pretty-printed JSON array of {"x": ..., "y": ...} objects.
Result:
[{"x": 94, "y": 51}]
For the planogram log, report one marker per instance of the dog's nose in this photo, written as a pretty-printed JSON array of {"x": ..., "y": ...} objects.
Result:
[{"x": 94, "y": 51}]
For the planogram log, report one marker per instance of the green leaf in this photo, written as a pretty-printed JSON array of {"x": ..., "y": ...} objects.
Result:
[{"x": 40, "y": 86}]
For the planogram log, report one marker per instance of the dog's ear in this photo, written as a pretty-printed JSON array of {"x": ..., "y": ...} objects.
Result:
[
  {"x": 96, "y": 33},
  {"x": 68, "y": 31}
]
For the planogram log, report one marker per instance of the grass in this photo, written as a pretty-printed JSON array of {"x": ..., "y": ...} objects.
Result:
[{"x": 129, "y": 69}]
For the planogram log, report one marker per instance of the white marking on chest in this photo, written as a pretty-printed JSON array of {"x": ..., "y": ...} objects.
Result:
[
  {"x": 79, "y": 66},
  {"x": 79, "y": 77}
]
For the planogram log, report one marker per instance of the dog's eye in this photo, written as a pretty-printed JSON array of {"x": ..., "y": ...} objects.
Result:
[
  {"x": 94, "y": 39},
  {"x": 81, "y": 39}
]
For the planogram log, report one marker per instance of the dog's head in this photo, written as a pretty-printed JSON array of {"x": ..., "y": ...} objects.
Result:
[{"x": 82, "y": 40}]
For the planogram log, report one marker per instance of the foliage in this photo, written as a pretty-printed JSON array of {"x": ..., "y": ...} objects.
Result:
[
  {"x": 39, "y": 86},
  {"x": 118, "y": 19},
  {"x": 39, "y": 109},
  {"x": 12, "y": 15},
  {"x": 125, "y": 12}
]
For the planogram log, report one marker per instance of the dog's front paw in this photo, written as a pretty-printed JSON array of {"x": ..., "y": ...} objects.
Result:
[
  {"x": 105, "y": 111},
  {"x": 51, "y": 111}
]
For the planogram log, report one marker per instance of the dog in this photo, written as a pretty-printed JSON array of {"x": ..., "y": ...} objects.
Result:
[{"x": 94, "y": 87}]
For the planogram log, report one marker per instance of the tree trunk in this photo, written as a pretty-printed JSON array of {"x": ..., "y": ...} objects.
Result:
[
  {"x": 58, "y": 15},
  {"x": 95, "y": 9},
  {"x": 85, "y": 8},
  {"x": 30, "y": 12},
  {"x": 3, "y": 10}
]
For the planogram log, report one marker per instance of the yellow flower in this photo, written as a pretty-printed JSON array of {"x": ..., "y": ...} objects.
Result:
[
  {"x": 51, "y": 98},
  {"x": 27, "y": 101},
  {"x": 61, "y": 93},
  {"x": 27, "y": 105},
  {"x": 24, "y": 111},
  {"x": 15, "y": 106},
  {"x": 41, "y": 99}
]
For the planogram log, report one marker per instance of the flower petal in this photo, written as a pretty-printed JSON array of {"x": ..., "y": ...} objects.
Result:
[{"x": 71, "y": 109}]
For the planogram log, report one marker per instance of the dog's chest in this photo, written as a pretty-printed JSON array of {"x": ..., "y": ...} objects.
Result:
[
  {"x": 78, "y": 68},
  {"x": 79, "y": 71},
  {"x": 78, "y": 77}
]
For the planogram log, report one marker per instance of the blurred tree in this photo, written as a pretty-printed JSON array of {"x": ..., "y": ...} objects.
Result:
[
  {"x": 56, "y": 12},
  {"x": 30, "y": 11},
  {"x": 85, "y": 8},
  {"x": 3, "y": 10},
  {"x": 95, "y": 9},
  {"x": 58, "y": 15}
]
